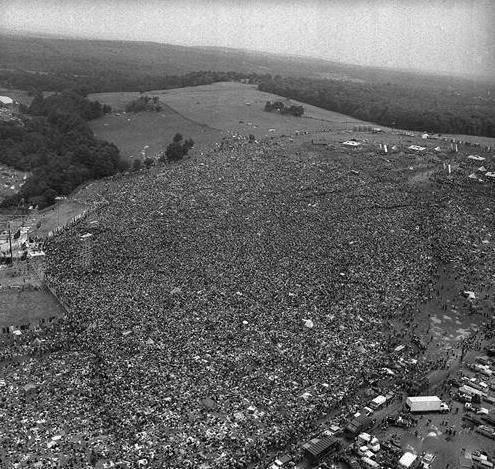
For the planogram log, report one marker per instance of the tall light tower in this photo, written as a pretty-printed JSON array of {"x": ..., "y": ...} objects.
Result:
[{"x": 86, "y": 250}]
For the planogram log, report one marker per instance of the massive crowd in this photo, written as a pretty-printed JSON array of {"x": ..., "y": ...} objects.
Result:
[{"x": 228, "y": 303}]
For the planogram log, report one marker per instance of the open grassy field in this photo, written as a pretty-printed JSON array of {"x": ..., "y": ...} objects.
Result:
[
  {"x": 238, "y": 107},
  {"x": 23, "y": 307},
  {"x": 208, "y": 112},
  {"x": 203, "y": 113},
  {"x": 146, "y": 133}
]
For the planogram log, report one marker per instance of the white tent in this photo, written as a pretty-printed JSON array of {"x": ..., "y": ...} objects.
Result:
[
  {"x": 416, "y": 148},
  {"x": 308, "y": 323},
  {"x": 6, "y": 100}
]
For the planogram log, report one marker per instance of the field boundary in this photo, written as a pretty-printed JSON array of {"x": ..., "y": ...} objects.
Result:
[{"x": 192, "y": 121}]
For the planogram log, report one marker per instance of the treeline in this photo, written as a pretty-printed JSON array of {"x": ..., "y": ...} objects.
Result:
[
  {"x": 55, "y": 144},
  {"x": 462, "y": 109},
  {"x": 279, "y": 106},
  {"x": 401, "y": 106},
  {"x": 144, "y": 103},
  {"x": 110, "y": 81}
]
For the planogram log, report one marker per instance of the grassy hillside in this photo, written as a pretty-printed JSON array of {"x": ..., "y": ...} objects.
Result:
[
  {"x": 147, "y": 133},
  {"x": 203, "y": 113},
  {"x": 206, "y": 112}
]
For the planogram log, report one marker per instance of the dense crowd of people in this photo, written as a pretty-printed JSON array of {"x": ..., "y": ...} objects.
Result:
[{"x": 227, "y": 304}]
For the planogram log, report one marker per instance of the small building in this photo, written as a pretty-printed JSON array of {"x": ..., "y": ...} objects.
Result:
[{"x": 408, "y": 461}]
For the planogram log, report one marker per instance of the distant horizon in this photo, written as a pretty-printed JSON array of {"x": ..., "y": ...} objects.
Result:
[
  {"x": 440, "y": 37},
  {"x": 60, "y": 36}
]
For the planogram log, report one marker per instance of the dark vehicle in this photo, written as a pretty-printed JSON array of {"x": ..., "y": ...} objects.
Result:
[
  {"x": 490, "y": 351},
  {"x": 400, "y": 421},
  {"x": 462, "y": 397},
  {"x": 358, "y": 425},
  {"x": 489, "y": 399},
  {"x": 490, "y": 419},
  {"x": 473, "y": 419},
  {"x": 353, "y": 462},
  {"x": 454, "y": 382},
  {"x": 316, "y": 448}
]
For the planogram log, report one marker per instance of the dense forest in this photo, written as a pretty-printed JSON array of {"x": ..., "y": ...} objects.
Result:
[
  {"x": 394, "y": 105},
  {"x": 111, "y": 81},
  {"x": 55, "y": 144}
]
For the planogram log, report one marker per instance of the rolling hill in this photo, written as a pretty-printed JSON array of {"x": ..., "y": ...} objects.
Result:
[
  {"x": 207, "y": 112},
  {"x": 204, "y": 113},
  {"x": 85, "y": 57}
]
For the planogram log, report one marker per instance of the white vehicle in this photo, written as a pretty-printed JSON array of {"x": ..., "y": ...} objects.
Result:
[
  {"x": 426, "y": 404},
  {"x": 377, "y": 402},
  {"x": 428, "y": 459},
  {"x": 367, "y": 411}
]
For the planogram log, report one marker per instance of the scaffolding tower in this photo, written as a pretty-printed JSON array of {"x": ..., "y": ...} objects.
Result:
[{"x": 86, "y": 250}]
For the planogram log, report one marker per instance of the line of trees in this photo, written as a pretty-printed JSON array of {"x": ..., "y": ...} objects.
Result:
[
  {"x": 112, "y": 81},
  {"x": 433, "y": 110},
  {"x": 56, "y": 145},
  {"x": 144, "y": 103},
  {"x": 279, "y": 106},
  {"x": 415, "y": 106}
]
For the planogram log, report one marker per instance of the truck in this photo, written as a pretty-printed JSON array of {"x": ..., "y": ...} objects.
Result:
[
  {"x": 377, "y": 402},
  {"x": 281, "y": 462},
  {"x": 317, "y": 448},
  {"x": 486, "y": 431},
  {"x": 358, "y": 425},
  {"x": 470, "y": 390},
  {"x": 426, "y": 404},
  {"x": 473, "y": 419}
]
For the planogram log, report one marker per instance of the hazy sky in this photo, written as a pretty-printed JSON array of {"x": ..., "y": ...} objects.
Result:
[{"x": 453, "y": 36}]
